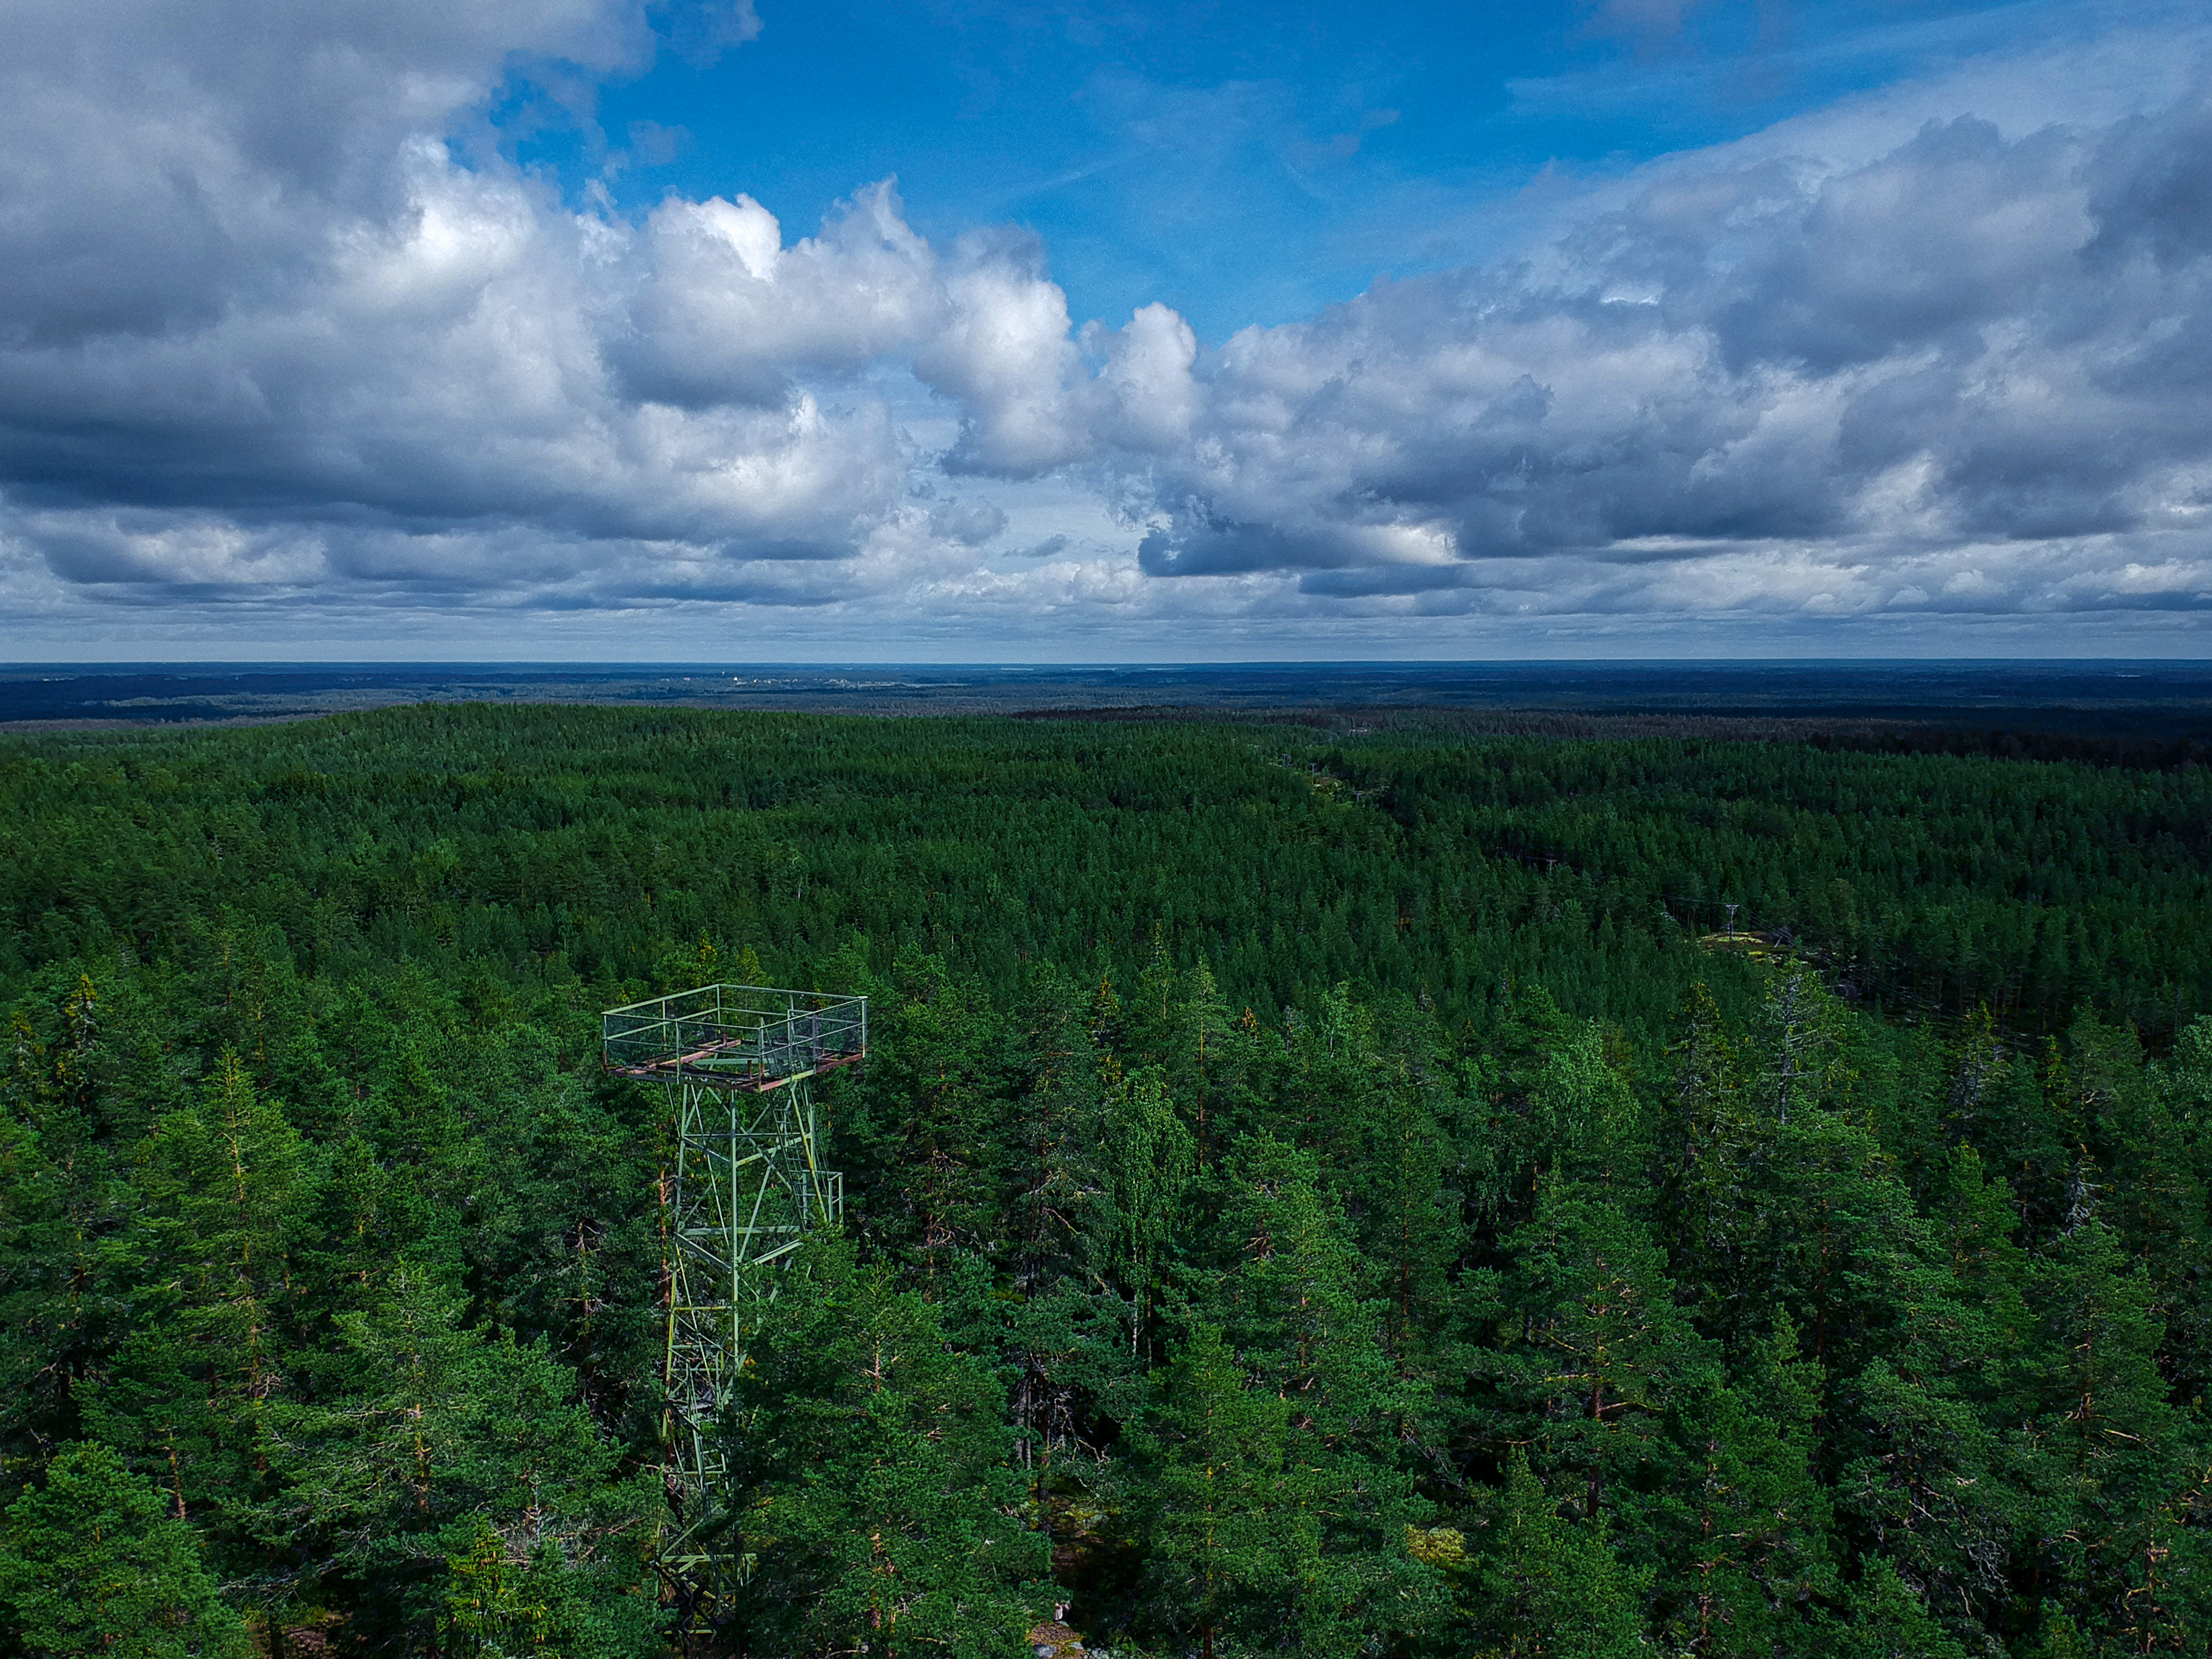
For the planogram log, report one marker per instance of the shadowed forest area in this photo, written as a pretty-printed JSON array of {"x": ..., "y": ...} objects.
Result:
[{"x": 1312, "y": 1191}]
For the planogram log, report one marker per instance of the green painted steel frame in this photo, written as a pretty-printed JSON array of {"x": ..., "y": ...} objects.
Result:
[
  {"x": 748, "y": 1184},
  {"x": 733, "y": 1036}
]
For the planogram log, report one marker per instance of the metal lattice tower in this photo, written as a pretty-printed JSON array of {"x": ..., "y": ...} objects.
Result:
[{"x": 748, "y": 1184}]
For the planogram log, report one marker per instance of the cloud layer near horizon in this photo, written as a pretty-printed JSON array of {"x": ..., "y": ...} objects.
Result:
[{"x": 284, "y": 334}]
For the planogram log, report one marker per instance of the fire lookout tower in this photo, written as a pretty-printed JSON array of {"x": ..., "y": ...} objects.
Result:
[{"x": 737, "y": 1062}]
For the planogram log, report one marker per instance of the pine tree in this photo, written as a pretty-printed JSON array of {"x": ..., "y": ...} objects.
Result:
[
  {"x": 64, "y": 1198},
  {"x": 418, "y": 1428},
  {"x": 1747, "y": 1520},
  {"x": 1553, "y": 1589},
  {"x": 2158, "y": 1199},
  {"x": 89, "y": 1563},
  {"x": 1925, "y": 1475},
  {"x": 226, "y": 1188},
  {"x": 1717, "y": 1161},
  {"x": 1225, "y": 1552},
  {"x": 1066, "y": 1349},
  {"x": 929, "y": 1132},
  {"x": 1294, "y": 1307},
  {"x": 876, "y": 1494},
  {"x": 1526, "y": 1121},
  {"x": 2105, "y": 1452},
  {"x": 1581, "y": 1110},
  {"x": 1145, "y": 1159},
  {"x": 1603, "y": 1351},
  {"x": 1409, "y": 1198},
  {"x": 1886, "y": 1620}
]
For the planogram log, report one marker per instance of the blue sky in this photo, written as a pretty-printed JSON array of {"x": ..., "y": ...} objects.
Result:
[
  {"x": 612, "y": 327},
  {"x": 1242, "y": 164}
]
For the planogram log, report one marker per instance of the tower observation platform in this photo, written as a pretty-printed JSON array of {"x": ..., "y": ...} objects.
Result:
[
  {"x": 734, "y": 1036},
  {"x": 747, "y": 1186}
]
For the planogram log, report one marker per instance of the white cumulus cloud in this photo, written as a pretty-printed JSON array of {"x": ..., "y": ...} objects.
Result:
[{"x": 283, "y": 329}]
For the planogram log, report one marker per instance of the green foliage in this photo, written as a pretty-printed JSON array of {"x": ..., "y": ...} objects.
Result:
[
  {"x": 1887, "y": 1621},
  {"x": 878, "y": 1497},
  {"x": 1304, "y": 1195},
  {"x": 1555, "y": 1588},
  {"x": 89, "y": 1563},
  {"x": 1231, "y": 1545},
  {"x": 1601, "y": 1353}
]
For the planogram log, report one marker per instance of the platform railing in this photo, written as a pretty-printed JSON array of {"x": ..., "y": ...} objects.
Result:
[{"x": 741, "y": 1036}]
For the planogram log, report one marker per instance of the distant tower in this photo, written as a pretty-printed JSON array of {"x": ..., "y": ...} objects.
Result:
[{"x": 737, "y": 1061}]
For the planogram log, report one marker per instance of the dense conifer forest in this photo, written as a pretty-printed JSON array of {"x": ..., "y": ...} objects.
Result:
[{"x": 1312, "y": 1191}]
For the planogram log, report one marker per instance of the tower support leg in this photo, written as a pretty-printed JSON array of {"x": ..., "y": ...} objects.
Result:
[{"x": 748, "y": 1186}]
